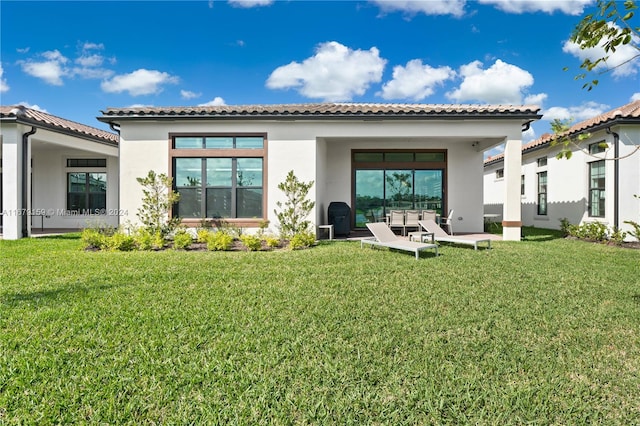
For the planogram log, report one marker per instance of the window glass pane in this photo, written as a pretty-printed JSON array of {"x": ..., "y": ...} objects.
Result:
[
  {"x": 219, "y": 202},
  {"x": 542, "y": 162},
  {"x": 428, "y": 190},
  {"x": 219, "y": 142},
  {"x": 596, "y": 148},
  {"x": 430, "y": 156},
  {"x": 249, "y": 171},
  {"x": 398, "y": 156},
  {"x": 249, "y": 203},
  {"x": 399, "y": 189},
  {"x": 76, "y": 201},
  {"x": 188, "y": 172},
  {"x": 254, "y": 142},
  {"x": 365, "y": 157},
  {"x": 219, "y": 171},
  {"x": 77, "y": 182},
  {"x": 187, "y": 143},
  {"x": 97, "y": 202},
  {"x": 189, "y": 204},
  {"x": 369, "y": 197},
  {"x": 97, "y": 182}
]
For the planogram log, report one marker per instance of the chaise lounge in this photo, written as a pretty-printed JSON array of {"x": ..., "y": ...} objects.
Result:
[
  {"x": 383, "y": 236},
  {"x": 438, "y": 234}
]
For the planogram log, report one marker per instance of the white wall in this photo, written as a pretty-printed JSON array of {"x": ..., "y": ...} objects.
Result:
[{"x": 321, "y": 151}]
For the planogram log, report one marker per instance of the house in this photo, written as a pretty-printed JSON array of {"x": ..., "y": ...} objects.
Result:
[
  {"x": 55, "y": 173},
  {"x": 227, "y": 161},
  {"x": 597, "y": 183}
]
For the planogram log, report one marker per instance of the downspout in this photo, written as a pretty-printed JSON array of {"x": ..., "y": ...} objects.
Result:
[
  {"x": 616, "y": 176},
  {"x": 25, "y": 180},
  {"x": 116, "y": 129}
]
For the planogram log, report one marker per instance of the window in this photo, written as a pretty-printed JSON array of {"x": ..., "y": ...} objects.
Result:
[
  {"x": 521, "y": 184},
  {"x": 499, "y": 173},
  {"x": 596, "y": 188},
  {"x": 86, "y": 162},
  {"x": 597, "y": 148},
  {"x": 219, "y": 176},
  {"x": 542, "y": 193},
  {"x": 542, "y": 161},
  {"x": 86, "y": 192}
]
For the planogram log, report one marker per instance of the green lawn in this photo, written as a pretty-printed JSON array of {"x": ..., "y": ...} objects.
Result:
[{"x": 545, "y": 331}]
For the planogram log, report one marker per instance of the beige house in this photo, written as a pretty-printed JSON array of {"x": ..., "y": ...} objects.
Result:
[{"x": 590, "y": 186}]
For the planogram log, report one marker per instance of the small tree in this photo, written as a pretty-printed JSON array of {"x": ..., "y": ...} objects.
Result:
[
  {"x": 158, "y": 198},
  {"x": 293, "y": 216}
]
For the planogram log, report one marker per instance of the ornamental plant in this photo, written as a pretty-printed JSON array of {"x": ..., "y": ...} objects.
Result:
[
  {"x": 157, "y": 200},
  {"x": 294, "y": 211}
]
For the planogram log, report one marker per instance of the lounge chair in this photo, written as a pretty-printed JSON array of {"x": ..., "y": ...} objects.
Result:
[
  {"x": 438, "y": 234},
  {"x": 383, "y": 236}
]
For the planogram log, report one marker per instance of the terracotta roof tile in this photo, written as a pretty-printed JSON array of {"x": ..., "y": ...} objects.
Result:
[
  {"x": 35, "y": 117},
  {"x": 629, "y": 112},
  {"x": 529, "y": 112}
]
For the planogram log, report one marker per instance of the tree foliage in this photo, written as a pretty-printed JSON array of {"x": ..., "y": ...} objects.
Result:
[
  {"x": 295, "y": 210},
  {"x": 609, "y": 27},
  {"x": 158, "y": 197}
]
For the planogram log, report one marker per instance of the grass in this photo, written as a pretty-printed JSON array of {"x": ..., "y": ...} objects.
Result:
[{"x": 543, "y": 331}]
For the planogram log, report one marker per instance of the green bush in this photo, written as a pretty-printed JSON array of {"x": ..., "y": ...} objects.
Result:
[
  {"x": 143, "y": 239},
  {"x": 93, "y": 238},
  {"x": 252, "y": 242},
  {"x": 565, "y": 225},
  {"x": 591, "y": 231},
  {"x": 202, "y": 236},
  {"x": 636, "y": 228},
  {"x": 617, "y": 236},
  {"x": 120, "y": 241},
  {"x": 271, "y": 241},
  {"x": 182, "y": 239},
  {"x": 302, "y": 240},
  {"x": 219, "y": 241}
]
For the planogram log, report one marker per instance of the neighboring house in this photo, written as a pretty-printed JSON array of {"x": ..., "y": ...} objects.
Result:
[
  {"x": 55, "y": 173},
  {"x": 590, "y": 186},
  {"x": 227, "y": 161}
]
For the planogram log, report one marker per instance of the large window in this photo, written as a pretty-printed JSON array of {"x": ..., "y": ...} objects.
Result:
[
  {"x": 86, "y": 192},
  {"x": 596, "y": 188},
  {"x": 219, "y": 177},
  {"x": 542, "y": 193},
  {"x": 389, "y": 180}
]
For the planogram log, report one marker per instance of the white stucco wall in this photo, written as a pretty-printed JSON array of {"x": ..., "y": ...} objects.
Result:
[
  {"x": 568, "y": 183},
  {"x": 321, "y": 151}
]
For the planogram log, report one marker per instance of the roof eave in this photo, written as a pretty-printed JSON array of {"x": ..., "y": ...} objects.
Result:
[{"x": 57, "y": 129}]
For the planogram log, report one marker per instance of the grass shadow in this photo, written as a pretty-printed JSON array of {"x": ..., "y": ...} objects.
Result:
[{"x": 48, "y": 296}]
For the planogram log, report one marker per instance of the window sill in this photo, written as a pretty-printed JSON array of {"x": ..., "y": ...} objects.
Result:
[{"x": 242, "y": 223}]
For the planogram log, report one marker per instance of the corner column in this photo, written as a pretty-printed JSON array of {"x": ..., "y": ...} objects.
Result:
[
  {"x": 12, "y": 183},
  {"x": 512, "y": 209}
]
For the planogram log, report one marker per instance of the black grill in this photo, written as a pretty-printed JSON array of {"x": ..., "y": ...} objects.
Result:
[{"x": 340, "y": 217}]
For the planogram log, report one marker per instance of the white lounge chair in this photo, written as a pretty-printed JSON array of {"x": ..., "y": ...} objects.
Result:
[
  {"x": 438, "y": 234},
  {"x": 384, "y": 237}
]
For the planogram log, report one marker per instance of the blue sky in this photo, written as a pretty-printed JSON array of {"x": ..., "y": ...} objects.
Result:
[{"x": 74, "y": 59}]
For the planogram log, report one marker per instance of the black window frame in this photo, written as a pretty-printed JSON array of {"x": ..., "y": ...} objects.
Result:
[
  {"x": 89, "y": 196},
  {"x": 542, "y": 209},
  {"x": 598, "y": 193}
]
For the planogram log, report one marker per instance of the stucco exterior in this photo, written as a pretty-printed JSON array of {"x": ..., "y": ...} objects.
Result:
[{"x": 568, "y": 179}]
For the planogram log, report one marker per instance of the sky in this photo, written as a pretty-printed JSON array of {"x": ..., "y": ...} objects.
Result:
[{"x": 75, "y": 59}]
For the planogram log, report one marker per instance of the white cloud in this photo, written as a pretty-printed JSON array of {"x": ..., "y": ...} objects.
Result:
[
  {"x": 4, "y": 87},
  {"x": 139, "y": 82},
  {"x": 622, "y": 63},
  {"x": 415, "y": 81},
  {"x": 250, "y": 3},
  {"x": 568, "y": 7},
  {"x": 217, "y": 101},
  {"x": 502, "y": 83},
  {"x": 334, "y": 73},
  {"x": 635, "y": 97},
  {"x": 430, "y": 7},
  {"x": 90, "y": 60},
  {"x": 536, "y": 99},
  {"x": 30, "y": 106},
  {"x": 575, "y": 113},
  {"x": 23, "y": 50},
  {"x": 51, "y": 70},
  {"x": 187, "y": 94}
]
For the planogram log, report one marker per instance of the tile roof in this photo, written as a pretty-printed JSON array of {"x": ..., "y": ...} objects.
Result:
[
  {"x": 328, "y": 110},
  {"x": 629, "y": 113},
  {"x": 34, "y": 117}
]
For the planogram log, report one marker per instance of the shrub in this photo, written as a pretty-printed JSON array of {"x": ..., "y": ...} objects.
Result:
[
  {"x": 271, "y": 241},
  {"x": 143, "y": 239},
  {"x": 157, "y": 200},
  {"x": 295, "y": 210},
  {"x": 219, "y": 241},
  {"x": 121, "y": 242},
  {"x": 252, "y": 242},
  {"x": 636, "y": 228},
  {"x": 302, "y": 240},
  {"x": 202, "y": 236},
  {"x": 182, "y": 239},
  {"x": 617, "y": 236},
  {"x": 158, "y": 241},
  {"x": 564, "y": 226},
  {"x": 93, "y": 238}
]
